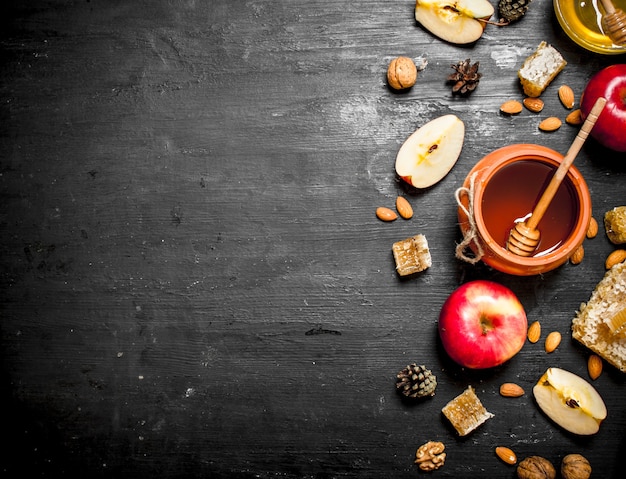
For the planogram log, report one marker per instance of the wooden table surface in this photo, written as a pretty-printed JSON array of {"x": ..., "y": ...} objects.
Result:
[{"x": 194, "y": 282}]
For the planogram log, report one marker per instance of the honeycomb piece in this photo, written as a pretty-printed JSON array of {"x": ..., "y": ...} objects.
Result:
[
  {"x": 598, "y": 324},
  {"x": 412, "y": 255},
  {"x": 615, "y": 224},
  {"x": 466, "y": 412},
  {"x": 540, "y": 68}
]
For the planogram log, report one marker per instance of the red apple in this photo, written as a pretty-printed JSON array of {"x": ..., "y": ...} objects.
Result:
[
  {"x": 482, "y": 324},
  {"x": 610, "y": 83}
]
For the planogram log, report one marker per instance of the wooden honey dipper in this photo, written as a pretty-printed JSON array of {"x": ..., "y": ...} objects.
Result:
[
  {"x": 524, "y": 236},
  {"x": 614, "y": 23}
]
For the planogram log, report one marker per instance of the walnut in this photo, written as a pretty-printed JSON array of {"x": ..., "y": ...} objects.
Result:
[
  {"x": 575, "y": 466},
  {"x": 535, "y": 467},
  {"x": 402, "y": 73},
  {"x": 430, "y": 456}
]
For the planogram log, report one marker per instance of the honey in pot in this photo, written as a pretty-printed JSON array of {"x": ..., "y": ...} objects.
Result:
[
  {"x": 504, "y": 187},
  {"x": 513, "y": 192}
]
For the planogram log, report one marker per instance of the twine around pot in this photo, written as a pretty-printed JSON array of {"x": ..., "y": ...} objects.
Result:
[{"x": 471, "y": 235}]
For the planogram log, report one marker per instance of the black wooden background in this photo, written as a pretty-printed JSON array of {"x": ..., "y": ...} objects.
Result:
[{"x": 194, "y": 282}]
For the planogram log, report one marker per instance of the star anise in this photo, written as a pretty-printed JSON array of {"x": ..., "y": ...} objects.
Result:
[{"x": 465, "y": 77}]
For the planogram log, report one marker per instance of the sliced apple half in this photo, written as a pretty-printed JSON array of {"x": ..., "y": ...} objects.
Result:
[
  {"x": 570, "y": 401},
  {"x": 455, "y": 21},
  {"x": 431, "y": 151}
]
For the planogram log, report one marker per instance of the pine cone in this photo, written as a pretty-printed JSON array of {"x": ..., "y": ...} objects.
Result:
[
  {"x": 512, "y": 10},
  {"x": 465, "y": 77},
  {"x": 416, "y": 381}
]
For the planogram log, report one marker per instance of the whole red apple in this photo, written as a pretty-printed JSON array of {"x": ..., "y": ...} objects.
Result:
[
  {"x": 482, "y": 324},
  {"x": 610, "y": 83}
]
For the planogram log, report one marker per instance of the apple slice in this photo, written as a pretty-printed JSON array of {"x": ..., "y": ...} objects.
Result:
[
  {"x": 455, "y": 21},
  {"x": 570, "y": 401},
  {"x": 431, "y": 151}
]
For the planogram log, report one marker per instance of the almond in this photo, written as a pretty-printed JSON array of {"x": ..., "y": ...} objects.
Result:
[
  {"x": 566, "y": 95},
  {"x": 506, "y": 454},
  {"x": 404, "y": 207},
  {"x": 614, "y": 258},
  {"x": 594, "y": 366},
  {"x": 534, "y": 332},
  {"x": 575, "y": 118},
  {"x": 552, "y": 341},
  {"x": 385, "y": 214},
  {"x": 592, "y": 229},
  {"x": 511, "y": 107},
  {"x": 551, "y": 123},
  {"x": 511, "y": 390},
  {"x": 533, "y": 104},
  {"x": 577, "y": 255}
]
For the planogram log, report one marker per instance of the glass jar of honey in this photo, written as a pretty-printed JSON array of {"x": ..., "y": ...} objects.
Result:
[{"x": 581, "y": 20}]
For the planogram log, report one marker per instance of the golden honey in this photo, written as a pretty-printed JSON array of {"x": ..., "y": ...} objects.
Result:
[
  {"x": 513, "y": 192},
  {"x": 582, "y": 22},
  {"x": 490, "y": 202}
]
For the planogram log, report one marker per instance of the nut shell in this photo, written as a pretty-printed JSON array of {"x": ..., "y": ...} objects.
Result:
[
  {"x": 535, "y": 467},
  {"x": 401, "y": 73},
  {"x": 575, "y": 466}
]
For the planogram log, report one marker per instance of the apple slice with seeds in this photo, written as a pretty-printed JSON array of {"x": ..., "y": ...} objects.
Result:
[
  {"x": 455, "y": 21},
  {"x": 431, "y": 151},
  {"x": 570, "y": 401}
]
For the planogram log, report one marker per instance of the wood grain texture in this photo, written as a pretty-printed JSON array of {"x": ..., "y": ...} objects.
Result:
[{"x": 193, "y": 280}]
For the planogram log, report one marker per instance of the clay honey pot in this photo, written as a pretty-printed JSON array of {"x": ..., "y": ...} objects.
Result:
[{"x": 502, "y": 189}]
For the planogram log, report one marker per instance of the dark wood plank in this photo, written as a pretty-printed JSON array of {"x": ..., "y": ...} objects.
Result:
[{"x": 193, "y": 279}]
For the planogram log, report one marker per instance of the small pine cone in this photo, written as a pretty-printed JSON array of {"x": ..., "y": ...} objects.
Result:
[
  {"x": 465, "y": 77},
  {"x": 513, "y": 10},
  {"x": 416, "y": 381}
]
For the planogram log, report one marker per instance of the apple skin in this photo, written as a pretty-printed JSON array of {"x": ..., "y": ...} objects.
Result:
[
  {"x": 428, "y": 155},
  {"x": 610, "y": 83},
  {"x": 570, "y": 401},
  {"x": 455, "y": 21},
  {"x": 482, "y": 324}
]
